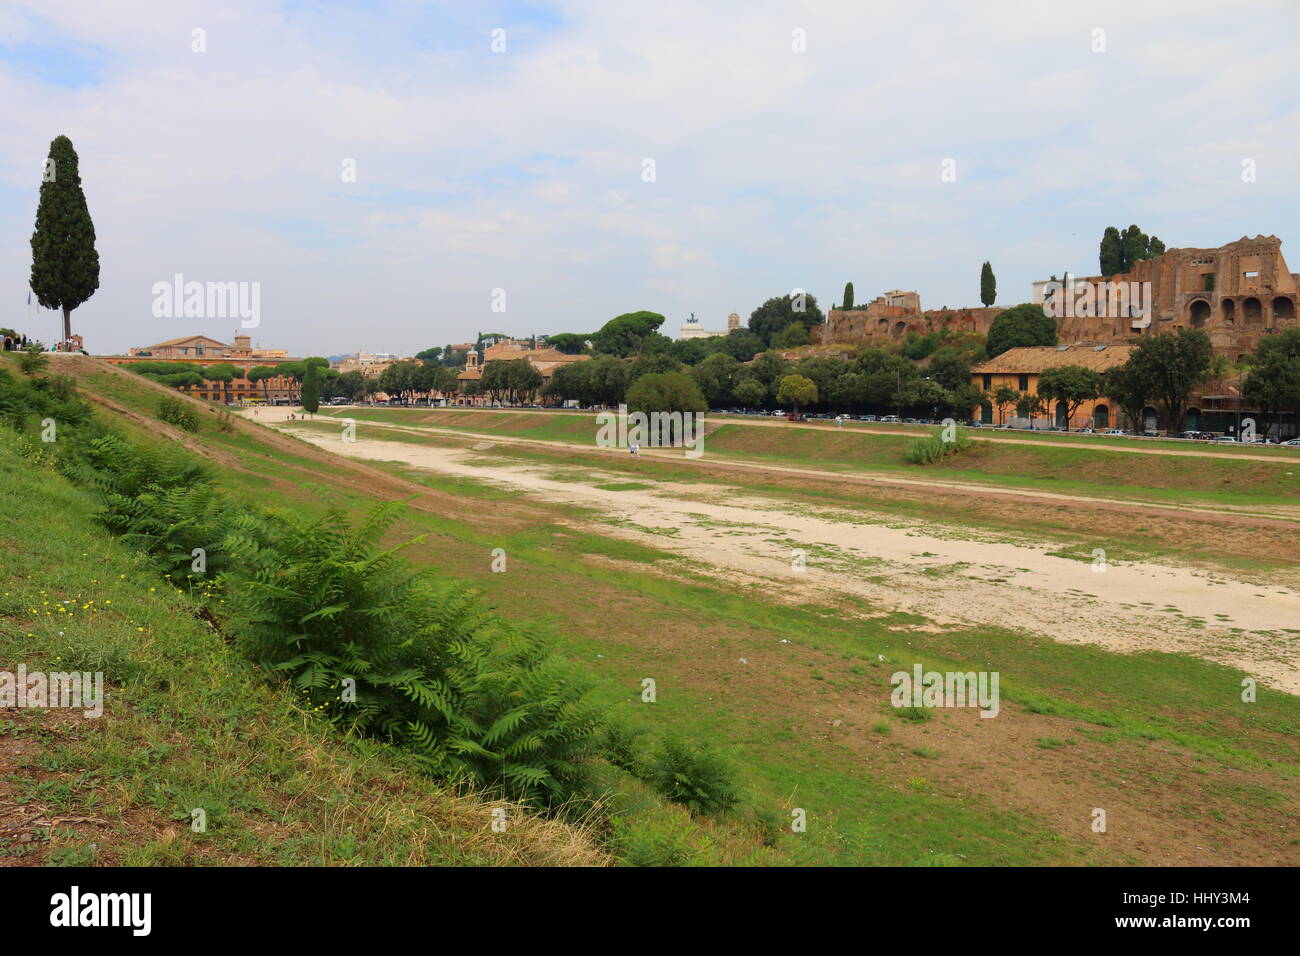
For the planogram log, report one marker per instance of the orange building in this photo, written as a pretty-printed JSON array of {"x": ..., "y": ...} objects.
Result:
[
  {"x": 203, "y": 350},
  {"x": 1020, "y": 369}
]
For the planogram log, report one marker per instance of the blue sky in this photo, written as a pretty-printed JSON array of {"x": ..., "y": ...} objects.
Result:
[{"x": 775, "y": 168}]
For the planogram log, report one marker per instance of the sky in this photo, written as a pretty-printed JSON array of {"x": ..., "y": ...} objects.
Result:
[{"x": 612, "y": 156}]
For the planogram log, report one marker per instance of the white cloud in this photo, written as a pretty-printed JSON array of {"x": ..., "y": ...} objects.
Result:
[{"x": 522, "y": 170}]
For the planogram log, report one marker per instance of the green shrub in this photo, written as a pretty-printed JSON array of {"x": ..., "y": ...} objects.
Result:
[
  {"x": 176, "y": 412},
  {"x": 621, "y": 746},
  {"x": 33, "y": 360},
  {"x": 159, "y": 501},
  {"x": 695, "y": 776},
  {"x": 382, "y": 649},
  {"x": 932, "y": 448},
  {"x": 660, "y": 837}
]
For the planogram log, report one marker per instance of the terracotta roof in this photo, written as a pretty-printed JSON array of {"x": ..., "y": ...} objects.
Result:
[
  {"x": 187, "y": 339},
  {"x": 1037, "y": 358},
  {"x": 553, "y": 355}
]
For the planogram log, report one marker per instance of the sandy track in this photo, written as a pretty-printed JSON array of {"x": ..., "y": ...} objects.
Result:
[
  {"x": 1271, "y": 512},
  {"x": 946, "y": 574},
  {"x": 1140, "y": 446}
]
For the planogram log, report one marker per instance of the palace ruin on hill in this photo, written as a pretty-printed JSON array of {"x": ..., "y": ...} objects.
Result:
[{"x": 1237, "y": 293}]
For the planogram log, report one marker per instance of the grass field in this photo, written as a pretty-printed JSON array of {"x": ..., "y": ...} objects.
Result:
[{"x": 794, "y": 687}]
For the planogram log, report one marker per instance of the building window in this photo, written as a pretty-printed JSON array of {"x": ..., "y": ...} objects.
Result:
[
  {"x": 988, "y": 380},
  {"x": 1024, "y": 382}
]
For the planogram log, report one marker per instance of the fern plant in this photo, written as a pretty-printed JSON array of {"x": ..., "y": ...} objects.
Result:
[
  {"x": 388, "y": 651},
  {"x": 694, "y": 776},
  {"x": 158, "y": 501}
]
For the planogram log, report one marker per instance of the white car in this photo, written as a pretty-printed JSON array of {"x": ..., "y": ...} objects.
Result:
[
  {"x": 1293, "y": 443},
  {"x": 1115, "y": 431}
]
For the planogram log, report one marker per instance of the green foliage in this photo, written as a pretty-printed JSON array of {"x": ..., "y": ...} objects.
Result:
[
  {"x": 792, "y": 336},
  {"x": 1169, "y": 366},
  {"x": 848, "y": 296},
  {"x": 25, "y": 403},
  {"x": 622, "y": 746},
  {"x": 1119, "y": 251},
  {"x": 695, "y": 776},
  {"x": 628, "y": 334},
  {"x": 1070, "y": 385},
  {"x": 777, "y": 313},
  {"x": 1273, "y": 382},
  {"x": 570, "y": 343},
  {"x": 988, "y": 285},
  {"x": 656, "y": 839},
  {"x": 32, "y": 360},
  {"x": 512, "y": 380},
  {"x": 665, "y": 392},
  {"x": 796, "y": 390},
  {"x": 932, "y": 449},
  {"x": 158, "y": 501},
  {"x": 751, "y": 393},
  {"x": 311, "y": 389},
  {"x": 65, "y": 265},
  {"x": 1019, "y": 326},
  {"x": 475, "y": 697},
  {"x": 178, "y": 412}
]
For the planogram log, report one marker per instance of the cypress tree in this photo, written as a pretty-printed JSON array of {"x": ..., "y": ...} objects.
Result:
[
  {"x": 1111, "y": 256},
  {"x": 65, "y": 265},
  {"x": 311, "y": 389},
  {"x": 988, "y": 285},
  {"x": 848, "y": 296}
]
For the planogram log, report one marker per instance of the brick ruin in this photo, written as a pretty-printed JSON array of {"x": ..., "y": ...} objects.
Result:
[
  {"x": 876, "y": 323},
  {"x": 1237, "y": 293}
]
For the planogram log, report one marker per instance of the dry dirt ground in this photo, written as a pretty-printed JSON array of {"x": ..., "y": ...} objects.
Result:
[{"x": 951, "y": 575}]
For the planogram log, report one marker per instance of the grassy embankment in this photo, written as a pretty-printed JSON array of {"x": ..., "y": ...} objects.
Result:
[{"x": 188, "y": 725}]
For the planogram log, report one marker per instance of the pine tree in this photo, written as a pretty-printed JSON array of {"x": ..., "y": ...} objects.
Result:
[
  {"x": 988, "y": 285},
  {"x": 848, "y": 296},
  {"x": 65, "y": 265}
]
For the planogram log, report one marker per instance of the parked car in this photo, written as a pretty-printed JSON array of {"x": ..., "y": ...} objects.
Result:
[
  {"x": 1293, "y": 443},
  {"x": 1115, "y": 431},
  {"x": 1226, "y": 438},
  {"x": 866, "y": 418}
]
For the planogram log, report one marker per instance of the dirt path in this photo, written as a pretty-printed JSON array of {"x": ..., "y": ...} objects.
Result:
[
  {"x": 1141, "y": 446},
  {"x": 950, "y": 575},
  {"x": 272, "y": 416}
]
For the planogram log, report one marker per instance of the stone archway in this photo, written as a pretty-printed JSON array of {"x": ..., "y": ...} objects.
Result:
[
  {"x": 883, "y": 326},
  {"x": 1283, "y": 310},
  {"x": 1198, "y": 313},
  {"x": 1150, "y": 420},
  {"x": 1229, "y": 307},
  {"x": 1101, "y": 417},
  {"x": 900, "y": 328},
  {"x": 1252, "y": 311}
]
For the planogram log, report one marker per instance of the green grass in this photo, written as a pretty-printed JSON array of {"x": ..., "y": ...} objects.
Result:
[
  {"x": 189, "y": 725},
  {"x": 625, "y": 624}
]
